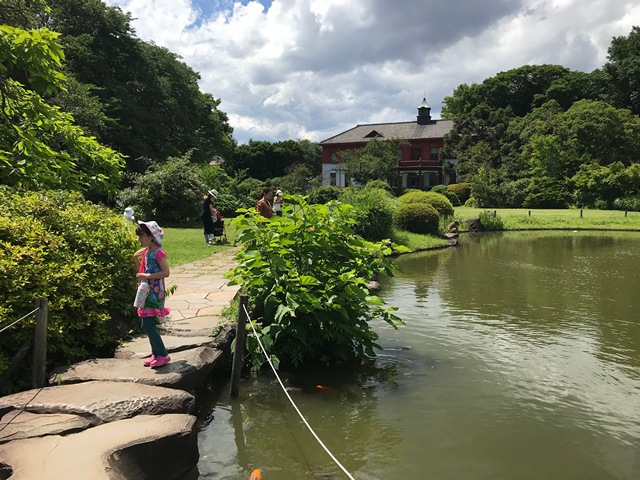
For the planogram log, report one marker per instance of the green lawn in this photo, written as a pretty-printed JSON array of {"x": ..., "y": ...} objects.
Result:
[
  {"x": 185, "y": 245},
  {"x": 522, "y": 218}
]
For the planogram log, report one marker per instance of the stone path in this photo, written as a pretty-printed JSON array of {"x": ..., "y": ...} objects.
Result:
[{"x": 113, "y": 418}]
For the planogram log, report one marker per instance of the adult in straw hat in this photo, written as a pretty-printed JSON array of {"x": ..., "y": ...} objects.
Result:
[{"x": 207, "y": 212}]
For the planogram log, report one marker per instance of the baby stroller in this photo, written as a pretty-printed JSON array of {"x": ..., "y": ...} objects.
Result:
[{"x": 219, "y": 233}]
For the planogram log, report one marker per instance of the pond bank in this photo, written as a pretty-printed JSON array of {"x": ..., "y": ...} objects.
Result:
[{"x": 123, "y": 417}]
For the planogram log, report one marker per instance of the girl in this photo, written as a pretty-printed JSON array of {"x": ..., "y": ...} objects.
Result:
[{"x": 153, "y": 269}]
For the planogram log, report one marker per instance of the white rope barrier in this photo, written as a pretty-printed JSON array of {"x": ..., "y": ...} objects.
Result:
[
  {"x": 20, "y": 319},
  {"x": 264, "y": 352}
]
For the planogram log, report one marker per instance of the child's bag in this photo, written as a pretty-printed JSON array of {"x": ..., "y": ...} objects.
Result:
[{"x": 141, "y": 295}]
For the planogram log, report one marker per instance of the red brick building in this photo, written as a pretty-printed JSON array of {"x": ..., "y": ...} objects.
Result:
[{"x": 419, "y": 161}]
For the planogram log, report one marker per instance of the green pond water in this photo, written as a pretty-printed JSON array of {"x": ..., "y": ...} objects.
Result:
[{"x": 520, "y": 359}]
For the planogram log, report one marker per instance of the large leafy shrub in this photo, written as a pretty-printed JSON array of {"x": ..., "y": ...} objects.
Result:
[
  {"x": 78, "y": 255},
  {"x": 324, "y": 194},
  {"x": 372, "y": 212},
  {"x": 417, "y": 218},
  {"x": 168, "y": 193},
  {"x": 309, "y": 270},
  {"x": 437, "y": 200}
]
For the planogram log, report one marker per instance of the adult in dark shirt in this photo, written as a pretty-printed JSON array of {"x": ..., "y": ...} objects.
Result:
[{"x": 206, "y": 214}]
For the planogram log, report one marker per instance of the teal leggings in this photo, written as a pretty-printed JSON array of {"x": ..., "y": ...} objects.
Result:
[{"x": 157, "y": 345}]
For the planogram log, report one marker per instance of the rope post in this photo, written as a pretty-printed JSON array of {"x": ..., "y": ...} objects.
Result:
[
  {"x": 238, "y": 354},
  {"x": 580, "y": 213},
  {"x": 40, "y": 344}
]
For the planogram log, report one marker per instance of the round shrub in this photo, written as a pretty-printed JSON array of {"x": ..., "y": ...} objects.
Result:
[
  {"x": 373, "y": 212},
  {"x": 444, "y": 190},
  {"x": 438, "y": 201},
  {"x": 471, "y": 202},
  {"x": 324, "y": 195},
  {"x": 417, "y": 218},
  {"x": 79, "y": 256},
  {"x": 462, "y": 190},
  {"x": 378, "y": 184}
]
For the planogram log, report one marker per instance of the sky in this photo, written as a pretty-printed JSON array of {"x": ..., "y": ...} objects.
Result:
[{"x": 311, "y": 69}]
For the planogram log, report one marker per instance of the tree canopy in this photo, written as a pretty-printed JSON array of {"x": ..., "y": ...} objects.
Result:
[
  {"x": 522, "y": 136},
  {"x": 151, "y": 99},
  {"x": 40, "y": 146}
]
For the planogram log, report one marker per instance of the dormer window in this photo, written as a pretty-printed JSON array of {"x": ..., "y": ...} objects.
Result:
[{"x": 373, "y": 134}]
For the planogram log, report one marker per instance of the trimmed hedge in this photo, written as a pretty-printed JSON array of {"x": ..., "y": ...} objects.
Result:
[
  {"x": 437, "y": 200},
  {"x": 79, "y": 256},
  {"x": 462, "y": 190},
  {"x": 444, "y": 190},
  {"x": 380, "y": 185},
  {"x": 417, "y": 218}
]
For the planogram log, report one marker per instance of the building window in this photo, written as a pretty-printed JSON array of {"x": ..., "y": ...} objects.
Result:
[
  {"x": 413, "y": 180},
  {"x": 399, "y": 154},
  {"x": 334, "y": 157},
  {"x": 416, "y": 154},
  {"x": 333, "y": 178},
  {"x": 434, "y": 153}
]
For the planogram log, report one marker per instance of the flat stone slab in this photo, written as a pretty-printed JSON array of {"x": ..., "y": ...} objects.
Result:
[
  {"x": 101, "y": 402},
  {"x": 19, "y": 424},
  {"x": 139, "y": 347},
  {"x": 194, "y": 326},
  {"x": 186, "y": 370},
  {"x": 163, "y": 447}
]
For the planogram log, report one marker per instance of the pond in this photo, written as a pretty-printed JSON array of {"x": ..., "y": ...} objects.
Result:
[{"x": 520, "y": 359}]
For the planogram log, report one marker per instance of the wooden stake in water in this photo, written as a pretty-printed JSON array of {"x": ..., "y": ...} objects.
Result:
[{"x": 238, "y": 354}]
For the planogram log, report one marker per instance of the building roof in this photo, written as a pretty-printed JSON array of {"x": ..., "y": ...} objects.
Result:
[{"x": 400, "y": 130}]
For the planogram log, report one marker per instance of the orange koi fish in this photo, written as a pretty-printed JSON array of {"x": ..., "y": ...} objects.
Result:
[
  {"x": 255, "y": 475},
  {"x": 326, "y": 389}
]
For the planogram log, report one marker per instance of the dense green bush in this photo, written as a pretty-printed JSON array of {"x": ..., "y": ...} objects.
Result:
[
  {"x": 417, "y": 218},
  {"x": 168, "y": 193},
  {"x": 461, "y": 190},
  {"x": 627, "y": 203},
  {"x": 306, "y": 276},
  {"x": 444, "y": 190},
  {"x": 438, "y": 201},
  {"x": 378, "y": 184},
  {"x": 373, "y": 212},
  {"x": 79, "y": 256},
  {"x": 324, "y": 195},
  {"x": 227, "y": 204}
]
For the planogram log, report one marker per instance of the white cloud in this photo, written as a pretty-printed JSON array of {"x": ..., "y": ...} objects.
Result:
[{"x": 312, "y": 68}]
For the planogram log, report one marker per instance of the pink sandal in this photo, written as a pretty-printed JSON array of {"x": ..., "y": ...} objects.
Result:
[
  {"x": 149, "y": 361},
  {"x": 160, "y": 361}
]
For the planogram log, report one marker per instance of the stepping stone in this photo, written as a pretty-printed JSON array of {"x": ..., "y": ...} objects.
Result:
[
  {"x": 139, "y": 347},
  {"x": 163, "y": 447},
  {"x": 19, "y": 424},
  {"x": 194, "y": 326},
  {"x": 101, "y": 402},
  {"x": 186, "y": 371}
]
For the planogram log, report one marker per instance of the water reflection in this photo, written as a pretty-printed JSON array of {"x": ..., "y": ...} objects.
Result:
[
  {"x": 269, "y": 435},
  {"x": 520, "y": 358}
]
